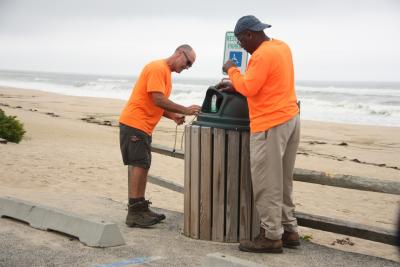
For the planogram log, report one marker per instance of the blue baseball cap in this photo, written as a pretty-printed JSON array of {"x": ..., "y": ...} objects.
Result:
[{"x": 251, "y": 23}]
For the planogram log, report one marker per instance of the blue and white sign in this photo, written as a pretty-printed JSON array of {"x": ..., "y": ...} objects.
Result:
[
  {"x": 236, "y": 56},
  {"x": 234, "y": 52}
]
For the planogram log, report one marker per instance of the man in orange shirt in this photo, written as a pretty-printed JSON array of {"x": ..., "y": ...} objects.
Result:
[
  {"x": 268, "y": 85},
  {"x": 144, "y": 109}
]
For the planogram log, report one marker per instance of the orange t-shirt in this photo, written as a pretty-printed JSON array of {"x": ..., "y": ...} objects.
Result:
[
  {"x": 140, "y": 112},
  {"x": 268, "y": 85}
]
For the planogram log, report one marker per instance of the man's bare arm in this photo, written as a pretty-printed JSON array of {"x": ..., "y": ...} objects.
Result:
[{"x": 161, "y": 101}]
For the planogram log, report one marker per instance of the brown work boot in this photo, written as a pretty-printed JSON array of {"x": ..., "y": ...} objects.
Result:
[
  {"x": 290, "y": 239},
  {"x": 138, "y": 215},
  {"x": 159, "y": 216},
  {"x": 261, "y": 244}
]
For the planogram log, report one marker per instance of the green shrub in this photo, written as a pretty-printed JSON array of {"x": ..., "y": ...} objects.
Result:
[
  {"x": 10, "y": 128},
  {"x": 306, "y": 237}
]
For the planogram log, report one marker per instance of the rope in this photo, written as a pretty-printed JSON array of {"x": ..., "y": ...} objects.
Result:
[
  {"x": 183, "y": 135},
  {"x": 176, "y": 135}
]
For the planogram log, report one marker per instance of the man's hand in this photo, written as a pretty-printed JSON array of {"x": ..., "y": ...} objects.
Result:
[
  {"x": 225, "y": 86},
  {"x": 193, "y": 110},
  {"x": 179, "y": 119},
  {"x": 170, "y": 107},
  {"x": 228, "y": 64}
]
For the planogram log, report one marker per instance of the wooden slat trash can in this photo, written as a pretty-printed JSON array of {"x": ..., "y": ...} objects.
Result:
[{"x": 218, "y": 201}]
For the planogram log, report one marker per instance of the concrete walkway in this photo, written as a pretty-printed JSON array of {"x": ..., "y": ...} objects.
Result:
[{"x": 163, "y": 245}]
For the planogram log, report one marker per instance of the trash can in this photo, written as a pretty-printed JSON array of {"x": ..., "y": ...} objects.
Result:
[
  {"x": 224, "y": 110},
  {"x": 218, "y": 200}
]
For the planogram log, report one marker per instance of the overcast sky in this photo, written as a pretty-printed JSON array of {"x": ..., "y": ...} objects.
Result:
[{"x": 330, "y": 40}]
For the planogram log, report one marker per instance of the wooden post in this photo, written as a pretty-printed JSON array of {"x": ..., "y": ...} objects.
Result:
[
  {"x": 245, "y": 189},
  {"x": 218, "y": 226},
  {"x": 195, "y": 182},
  {"x": 232, "y": 187},
  {"x": 206, "y": 159},
  {"x": 186, "y": 213}
]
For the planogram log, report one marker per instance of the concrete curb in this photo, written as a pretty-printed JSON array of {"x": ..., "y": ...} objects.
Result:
[
  {"x": 89, "y": 232},
  {"x": 222, "y": 260}
]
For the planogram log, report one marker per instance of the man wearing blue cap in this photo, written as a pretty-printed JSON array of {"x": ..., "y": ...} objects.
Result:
[{"x": 268, "y": 85}]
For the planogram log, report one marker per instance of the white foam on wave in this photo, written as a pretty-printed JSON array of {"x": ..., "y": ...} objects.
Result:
[
  {"x": 112, "y": 80},
  {"x": 349, "y": 112},
  {"x": 42, "y": 79},
  {"x": 188, "y": 94},
  {"x": 371, "y": 106},
  {"x": 78, "y": 89},
  {"x": 350, "y": 91}
]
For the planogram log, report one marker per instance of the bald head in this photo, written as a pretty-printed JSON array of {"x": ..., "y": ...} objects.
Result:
[
  {"x": 183, "y": 58},
  {"x": 185, "y": 47}
]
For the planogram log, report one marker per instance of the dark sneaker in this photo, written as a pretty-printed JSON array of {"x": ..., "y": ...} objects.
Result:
[
  {"x": 261, "y": 244},
  {"x": 138, "y": 216},
  {"x": 290, "y": 239},
  {"x": 159, "y": 216}
]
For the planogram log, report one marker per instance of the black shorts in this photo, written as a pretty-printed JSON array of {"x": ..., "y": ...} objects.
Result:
[{"x": 135, "y": 146}]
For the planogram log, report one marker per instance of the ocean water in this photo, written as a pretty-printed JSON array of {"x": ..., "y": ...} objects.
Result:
[{"x": 368, "y": 103}]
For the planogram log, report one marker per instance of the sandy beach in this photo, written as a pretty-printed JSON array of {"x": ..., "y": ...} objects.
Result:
[{"x": 70, "y": 157}]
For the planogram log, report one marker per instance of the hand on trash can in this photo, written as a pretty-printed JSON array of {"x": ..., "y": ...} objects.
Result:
[{"x": 193, "y": 110}]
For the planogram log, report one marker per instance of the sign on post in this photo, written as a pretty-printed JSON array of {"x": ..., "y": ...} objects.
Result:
[{"x": 234, "y": 52}]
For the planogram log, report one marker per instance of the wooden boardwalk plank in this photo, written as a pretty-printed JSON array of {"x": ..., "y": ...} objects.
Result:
[
  {"x": 232, "y": 187},
  {"x": 206, "y": 158},
  {"x": 186, "y": 215},
  {"x": 195, "y": 182},
  {"x": 218, "y": 222}
]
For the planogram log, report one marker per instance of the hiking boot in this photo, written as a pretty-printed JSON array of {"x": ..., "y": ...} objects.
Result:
[
  {"x": 159, "y": 216},
  {"x": 261, "y": 244},
  {"x": 138, "y": 215},
  {"x": 290, "y": 239}
]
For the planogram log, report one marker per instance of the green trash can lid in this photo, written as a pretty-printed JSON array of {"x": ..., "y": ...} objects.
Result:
[{"x": 224, "y": 110}]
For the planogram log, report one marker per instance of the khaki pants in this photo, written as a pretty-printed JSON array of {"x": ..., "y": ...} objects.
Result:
[{"x": 272, "y": 157}]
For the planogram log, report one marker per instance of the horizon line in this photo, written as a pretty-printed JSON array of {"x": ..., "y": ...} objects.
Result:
[{"x": 188, "y": 78}]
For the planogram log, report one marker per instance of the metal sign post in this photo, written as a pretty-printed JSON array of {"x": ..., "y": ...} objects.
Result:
[{"x": 234, "y": 52}]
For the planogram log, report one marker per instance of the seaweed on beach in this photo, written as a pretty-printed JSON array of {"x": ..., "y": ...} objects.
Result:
[{"x": 10, "y": 128}]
